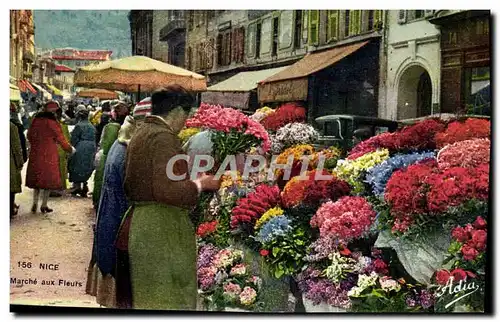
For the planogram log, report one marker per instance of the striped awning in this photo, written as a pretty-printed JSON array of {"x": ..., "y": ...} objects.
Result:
[{"x": 25, "y": 86}]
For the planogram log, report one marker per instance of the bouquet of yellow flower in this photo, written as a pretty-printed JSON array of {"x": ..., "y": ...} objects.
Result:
[
  {"x": 187, "y": 133},
  {"x": 353, "y": 171}
]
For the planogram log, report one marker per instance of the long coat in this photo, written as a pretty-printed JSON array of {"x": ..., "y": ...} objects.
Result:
[
  {"x": 16, "y": 160},
  {"x": 109, "y": 136},
  {"x": 81, "y": 164},
  {"x": 157, "y": 232},
  {"x": 43, "y": 166},
  {"x": 22, "y": 137}
]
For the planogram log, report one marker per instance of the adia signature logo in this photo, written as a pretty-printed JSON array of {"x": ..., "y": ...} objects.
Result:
[{"x": 455, "y": 289}]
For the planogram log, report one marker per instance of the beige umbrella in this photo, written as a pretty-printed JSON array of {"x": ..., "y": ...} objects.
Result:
[
  {"x": 102, "y": 94},
  {"x": 138, "y": 73}
]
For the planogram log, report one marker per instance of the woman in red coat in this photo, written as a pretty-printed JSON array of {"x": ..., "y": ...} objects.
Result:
[{"x": 43, "y": 172}]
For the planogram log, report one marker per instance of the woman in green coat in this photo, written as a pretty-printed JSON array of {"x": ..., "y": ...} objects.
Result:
[
  {"x": 157, "y": 231},
  {"x": 109, "y": 136},
  {"x": 63, "y": 157}
]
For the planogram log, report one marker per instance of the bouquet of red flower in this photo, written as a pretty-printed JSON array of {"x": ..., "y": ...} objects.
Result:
[
  {"x": 453, "y": 187},
  {"x": 249, "y": 209},
  {"x": 460, "y": 131},
  {"x": 206, "y": 228},
  {"x": 471, "y": 239},
  {"x": 419, "y": 136},
  {"x": 423, "y": 188},
  {"x": 346, "y": 219},
  {"x": 287, "y": 113},
  {"x": 311, "y": 191},
  {"x": 232, "y": 131}
]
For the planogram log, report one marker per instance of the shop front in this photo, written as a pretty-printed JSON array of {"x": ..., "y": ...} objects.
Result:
[
  {"x": 465, "y": 61},
  {"x": 340, "y": 80},
  {"x": 238, "y": 91}
]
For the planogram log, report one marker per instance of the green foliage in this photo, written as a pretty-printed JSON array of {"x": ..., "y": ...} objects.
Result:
[{"x": 286, "y": 253}]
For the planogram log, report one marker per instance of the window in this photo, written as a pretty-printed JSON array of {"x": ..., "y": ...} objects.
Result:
[
  {"x": 313, "y": 27},
  {"x": 371, "y": 19},
  {"x": 257, "y": 40},
  {"x": 332, "y": 28},
  {"x": 478, "y": 91},
  {"x": 298, "y": 29},
  {"x": 347, "y": 20},
  {"x": 224, "y": 49},
  {"x": 419, "y": 14},
  {"x": 238, "y": 40},
  {"x": 275, "y": 36}
]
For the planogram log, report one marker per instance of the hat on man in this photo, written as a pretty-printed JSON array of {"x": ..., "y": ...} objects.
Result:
[{"x": 143, "y": 108}]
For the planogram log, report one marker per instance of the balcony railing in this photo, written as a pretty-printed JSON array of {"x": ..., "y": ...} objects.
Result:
[{"x": 174, "y": 25}]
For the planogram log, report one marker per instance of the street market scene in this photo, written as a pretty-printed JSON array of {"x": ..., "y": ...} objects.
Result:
[{"x": 251, "y": 160}]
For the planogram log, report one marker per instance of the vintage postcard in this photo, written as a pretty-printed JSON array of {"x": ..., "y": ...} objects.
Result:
[{"x": 279, "y": 161}]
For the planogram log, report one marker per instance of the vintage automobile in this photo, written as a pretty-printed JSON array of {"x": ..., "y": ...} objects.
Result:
[{"x": 339, "y": 130}]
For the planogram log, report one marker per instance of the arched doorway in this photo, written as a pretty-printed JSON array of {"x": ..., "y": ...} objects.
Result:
[{"x": 414, "y": 93}]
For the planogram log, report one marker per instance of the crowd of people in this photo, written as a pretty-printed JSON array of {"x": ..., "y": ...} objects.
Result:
[{"x": 144, "y": 252}]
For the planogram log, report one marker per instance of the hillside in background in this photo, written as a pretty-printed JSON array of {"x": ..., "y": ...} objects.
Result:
[{"x": 83, "y": 29}]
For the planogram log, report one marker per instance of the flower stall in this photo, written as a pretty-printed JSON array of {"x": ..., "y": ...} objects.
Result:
[{"x": 399, "y": 225}]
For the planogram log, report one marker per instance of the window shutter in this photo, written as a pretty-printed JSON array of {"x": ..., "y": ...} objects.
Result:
[
  {"x": 313, "y": 27},
  {"x": 305, "y": 25},
  {"x": 377, "y": 17},
  {"x": 234, "y": 48},
  {"x": 228, "y": 47},
  {"x": 402, "y": 16},
  {"x": 251, "y": 39},
  {"x": 211, "y": 54},
  {"x": 428, "y": 13},
  {"x": 354, "y": 22},
  {"x": 219, "y": 49},
  {"x": 242, "y": 44},
  {"x": 333, "y": 25}
]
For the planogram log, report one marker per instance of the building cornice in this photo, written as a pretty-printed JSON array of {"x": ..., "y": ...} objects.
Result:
[{"x": 418, "y": 41}]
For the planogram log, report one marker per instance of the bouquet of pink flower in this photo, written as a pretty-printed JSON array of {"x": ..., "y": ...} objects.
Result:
[
  {"x": 346, "y": 219},
  {"x": 232, "y": 131},
  {"x": 467, "y": 154}
]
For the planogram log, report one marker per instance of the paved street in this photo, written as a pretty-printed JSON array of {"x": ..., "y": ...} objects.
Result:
[{"x": 62, "y": 240}]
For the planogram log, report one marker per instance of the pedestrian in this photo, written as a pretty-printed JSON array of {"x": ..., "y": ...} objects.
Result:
[
  {"x": 109, "y": 135},
  {"x": 104, "y": 119},
  {"x": 16, "y": 165},
  {"x": 81, "y": 164},
  {"x": 63, "y": 156},
  {"x": 157, "y": 232},
  {"x": 14, "y": 118},
  {"x": 43, "y": 172},
  {"x": 101, "y": 281}
]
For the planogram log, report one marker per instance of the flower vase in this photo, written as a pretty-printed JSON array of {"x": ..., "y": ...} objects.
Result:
[{"x": 320, "y": 308}]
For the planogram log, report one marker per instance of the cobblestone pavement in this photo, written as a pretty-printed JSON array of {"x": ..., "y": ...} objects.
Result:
[{"x": 52, "y": 250}]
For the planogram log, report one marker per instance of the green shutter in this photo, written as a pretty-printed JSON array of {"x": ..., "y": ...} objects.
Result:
[
  {"x": 354, "y": 22},
  {"x": 377, "y": 18},
  {"x": 333, "y": 25},
  {"x": 313, "y": 27}
]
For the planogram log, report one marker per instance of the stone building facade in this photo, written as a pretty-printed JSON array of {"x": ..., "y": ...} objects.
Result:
[
  {"x": 22, "y": 44},
  {"x": 413, "y": 65}
]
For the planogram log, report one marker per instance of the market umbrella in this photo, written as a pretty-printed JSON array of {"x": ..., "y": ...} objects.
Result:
[
  {"x": 136, "y": 73},
  {"x": 102, "y": 94}
]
